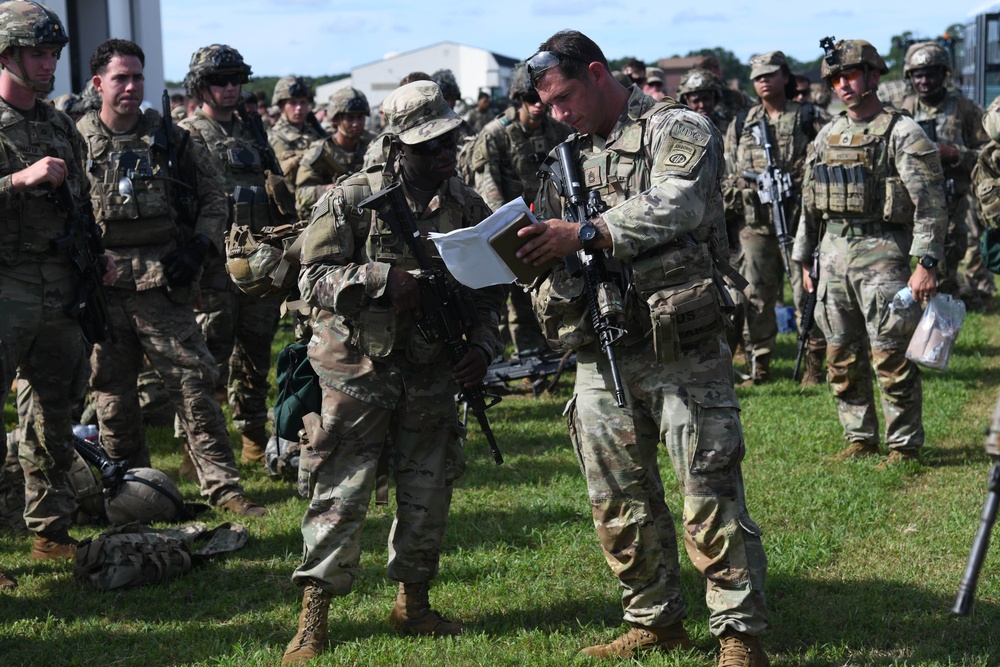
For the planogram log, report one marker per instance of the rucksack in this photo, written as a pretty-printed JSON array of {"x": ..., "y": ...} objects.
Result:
[
  {"x": 298, "y": 391},
  {"x": 134, "y": 555}
]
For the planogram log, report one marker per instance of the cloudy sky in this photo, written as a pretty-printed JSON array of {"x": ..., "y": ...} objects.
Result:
[{"x": 315, "y": 37}]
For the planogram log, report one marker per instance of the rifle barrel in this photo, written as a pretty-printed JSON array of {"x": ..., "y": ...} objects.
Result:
[{"x": 967, "y": 588}]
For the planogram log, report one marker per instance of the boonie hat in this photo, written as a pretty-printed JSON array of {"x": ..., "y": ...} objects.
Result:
[{"x": 417, "y": 112}]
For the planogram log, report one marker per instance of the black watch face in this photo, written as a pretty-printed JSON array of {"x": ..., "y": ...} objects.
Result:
[
  {"x": 587, "y": 233},
  {"x": 928, "y": 262}
]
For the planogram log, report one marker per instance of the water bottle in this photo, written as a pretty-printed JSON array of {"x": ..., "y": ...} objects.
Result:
[{"x": 903, "y": 299}]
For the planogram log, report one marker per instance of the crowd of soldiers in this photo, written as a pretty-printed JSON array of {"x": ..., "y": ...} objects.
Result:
[{"x": 205, "y": 231}]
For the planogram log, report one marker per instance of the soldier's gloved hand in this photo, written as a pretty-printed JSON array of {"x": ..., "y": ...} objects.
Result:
[{"x": 182, "y": 264}]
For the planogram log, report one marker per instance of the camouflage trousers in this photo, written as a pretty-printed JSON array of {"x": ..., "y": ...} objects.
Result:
[
  {"x": 150, "y": 324},
  {"x": 337, "y": 472},
  {"x": 519, "y": 324},
  {"x": 239, "y": 330},
  {"x": 956, "y": 243},
  {"x": 859, "y": 276},
  {"x": 689, "y": 405},
  {"x": 44, "y": 346},
  {"x": 763, "y": 267}
]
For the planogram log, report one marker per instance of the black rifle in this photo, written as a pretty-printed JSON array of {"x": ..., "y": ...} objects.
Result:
[
  {"x": 774, "y": 187},
  {"x": 185, "y": 197},
  {"x": 112, "y": 472},
  {"x": 967, "y": 589},
  {"x": 808, "y": 319},
  {"x": 447, "y": 309},
  {"x": 535, "y": 367},
  {"x": 83, "y": 243},
  {"x": 604, "y": 300},
  {"x": 268, "y": 159},
  {"x": 316, "y": 125}
]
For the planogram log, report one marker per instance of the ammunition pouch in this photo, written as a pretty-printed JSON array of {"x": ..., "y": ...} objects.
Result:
[
  {"x": 898, "y": 207},
  {"x": 250, "y": 208},
  {"x": 561, "y": 309},
  {"x": 375, "y": 329},
  {"x": 684, "y": 315}
]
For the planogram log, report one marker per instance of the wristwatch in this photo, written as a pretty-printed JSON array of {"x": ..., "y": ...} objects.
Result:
[
  {"x": 927, "y": 262},
  {"x": 588, "y": 235}
]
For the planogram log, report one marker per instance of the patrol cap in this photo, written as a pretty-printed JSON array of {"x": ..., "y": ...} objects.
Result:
[
  {"x": 417, "y": 112},
  {"x": 767, "y": 63},
  {"x": 654, "y": 75}
]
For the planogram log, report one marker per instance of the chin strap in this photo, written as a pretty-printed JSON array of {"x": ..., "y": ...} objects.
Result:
[{"x": 22, "y": 77}]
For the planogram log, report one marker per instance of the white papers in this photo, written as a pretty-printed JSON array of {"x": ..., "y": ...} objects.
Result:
[{"x": 468, "y": 254}]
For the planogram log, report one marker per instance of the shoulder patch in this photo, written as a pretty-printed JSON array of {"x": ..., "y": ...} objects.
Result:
[{"x": 685, "y": 131}]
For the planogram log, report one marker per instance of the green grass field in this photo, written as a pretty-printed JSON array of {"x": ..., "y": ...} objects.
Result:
[{"x": 864, "y": 564}]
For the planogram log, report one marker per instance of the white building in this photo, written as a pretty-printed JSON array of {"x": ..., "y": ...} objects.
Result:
[{"x": 475, "y": 70}]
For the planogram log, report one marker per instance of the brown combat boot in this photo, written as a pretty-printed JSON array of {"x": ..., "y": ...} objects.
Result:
[
  {"x": 664, "y": 638},
  {"x": 54, "y": 545},
  {"x": 254, "y": 442},
  {"x": 856, "y": 450},
  {"x": 312, "y": 637},
  {"x": 187, "y": 471},
  {"x": 813, "y": 374},
  {"x": 740, "y": 650},
  {"x": 898, "y": 456},
  {"x": 412, "y": 614},
  {"x": 243, "y": 506},
  {"x": 7, "y": 582},
  {"x": 760, "y": 371}
]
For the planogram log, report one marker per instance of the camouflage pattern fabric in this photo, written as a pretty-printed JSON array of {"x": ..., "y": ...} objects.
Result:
[
  {"x": 864, "y": 261},
  {"x": 663, "y": 205},
  {"x": 289, "y": 143},
  {"x": 323, "y": 163},
  {"x": 381, "y": 383},
  {"x": 478, "y": 120}
]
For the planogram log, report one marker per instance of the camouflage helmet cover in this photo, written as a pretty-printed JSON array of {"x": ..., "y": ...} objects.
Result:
[
  {"x": 925, "y": 54},
  {"x": 291, "y": 86},
  {"x": 698, "y": 79},
  {"x": 140, "y": 500},
  {"x": 30, "y": 24},
  {"x": 254, "y": 268},
  {"x": 418, "y": 112},
  {"x": 347, "y": 100},
  {"x": 446, "y": 80},
  {"x": 853, "y": 53},
  {"x": 520, "y": 85},
  {"x": 214, "y": 59},
  {"x": 90, "y": 98}
]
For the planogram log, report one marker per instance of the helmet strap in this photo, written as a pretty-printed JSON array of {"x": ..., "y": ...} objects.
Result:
[{"x": 22, "y": 77}]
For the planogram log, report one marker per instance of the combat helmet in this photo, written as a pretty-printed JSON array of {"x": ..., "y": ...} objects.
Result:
[
  {"x": 698, "y": 80},
  {"x": 925, "y": 54},
  {"x": 30, "y": 24},
  {"x": 851, "y": 53},
  {"x": 520, "y": 85},
  {"x": 214, "y": 59},
  {"x": 146, "y": 495},
  {"x": 291, "y": 86},
  {"x": 446, "y": 81},
  {"x": 347, "y": 100}
]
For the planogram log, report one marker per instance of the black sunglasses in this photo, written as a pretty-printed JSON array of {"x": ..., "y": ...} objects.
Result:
[
  {"x": 531, "y": 98},
  {"x": 222, "y": 80},
  {"x": 543, "y": 61},
  {"x": 447, "y": 142}
]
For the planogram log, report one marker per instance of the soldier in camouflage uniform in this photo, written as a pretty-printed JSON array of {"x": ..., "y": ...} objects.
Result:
[
  {"x": 701, "y": 90},
  {"x": 482, "y": 113},
  {"x": 156, "y": 286},
  {"x": 665, "y": 229},
  {"x": 790, "y": 126},
  {"x": 39, "y": 150},
  {"x": 505, "y": 159},
  {"x": 292, "y": 134},
  {"x": 380, "y": 377},
  {"x": 955, "y": 124},
  {"x": 239, "y": 327},
  {"x": 337, "y": 156},
  {"x": 733, "y": 100},
  {"x": 873, "y": 198}
]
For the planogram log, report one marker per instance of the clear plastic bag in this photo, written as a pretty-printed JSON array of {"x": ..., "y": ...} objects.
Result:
[{"x": 937, "y": 331}]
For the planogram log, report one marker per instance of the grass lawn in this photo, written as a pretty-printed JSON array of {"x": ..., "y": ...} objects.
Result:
[{"x": 864, "y": 564}]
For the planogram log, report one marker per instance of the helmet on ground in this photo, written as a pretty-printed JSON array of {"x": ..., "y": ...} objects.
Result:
[
  {"x": 86, "y": 489},
  {"x": 348, "y": 100},
  {"x": 214, "y": 59},
  {"x": 925, "y": 54},
  {"x": 289, "y": 87},
  {"x": 146, "y": 495},
  {"x": 852, "y": 53}
]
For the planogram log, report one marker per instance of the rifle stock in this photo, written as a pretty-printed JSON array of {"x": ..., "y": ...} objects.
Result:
[{"x": 112, "y": 472}]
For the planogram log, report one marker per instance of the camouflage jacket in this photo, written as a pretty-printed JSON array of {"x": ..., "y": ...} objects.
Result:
[
  {"x": 322, "y": 164},
  {"x": 507, "y": 155},
  {"x": 958, "y": 121},
  {"x": 744, "y": 153},
  {"x": 140, "y": 229},
  {"x": 346, "y": 257},
  {"x": 290, "y": 143},
  {"x": 479, "y": 119},
  {"x": 986, "y": 184},
  {"x": 882, "y": 170},
  {"x": 30, "y": 219}
]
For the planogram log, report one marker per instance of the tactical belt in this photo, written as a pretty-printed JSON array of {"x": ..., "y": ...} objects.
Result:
[{"x": 855, "y": 229}]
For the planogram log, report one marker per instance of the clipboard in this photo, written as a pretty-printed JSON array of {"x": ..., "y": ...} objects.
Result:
[{"x": 506, "y": 243}]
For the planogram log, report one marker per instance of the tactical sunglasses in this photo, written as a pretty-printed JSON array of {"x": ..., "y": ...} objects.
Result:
[
  {"x": 543, "y": 61},
  {"x": 447, "y": 142},
  {"x": 222, "y": 80}
]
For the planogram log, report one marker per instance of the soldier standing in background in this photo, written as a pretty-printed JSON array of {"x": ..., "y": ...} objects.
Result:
[
  {"x": 292, "y": 134},
  {"x": 39, "y": 340},
  {"x": 701, "y": 90},
  {"x": 380, "y": 377},
  {"x": 505, "y": 160},
  {"x": 955, "y": 124},
  {"x": 790, "y": 127},
  {"x": 334, "y": 157},
  {"x": 483, "y": 112},
  {"x": 239, "y": 327},
  {"x": 654, "y": 83},
  {"x": 874, "y": 197}
]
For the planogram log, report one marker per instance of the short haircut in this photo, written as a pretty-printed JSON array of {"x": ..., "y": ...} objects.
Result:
[
  {"x": 483, "y": 95},
  {"x": 110, "y": 48},
  {"x": 415, "y": 76},
  {"x": 580, "y": 49},
  {"x": 802, "y": 78},
  {"x": 635, "y": 65}
]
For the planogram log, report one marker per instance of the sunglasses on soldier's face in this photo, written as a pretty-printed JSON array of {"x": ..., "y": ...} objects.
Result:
[
  {"x": 531, "y": 98},
  {"x": 448, "y": 142},
  {"x": 222, "y": 80}
]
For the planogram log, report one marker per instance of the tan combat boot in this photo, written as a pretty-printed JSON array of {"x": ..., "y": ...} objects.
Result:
[
  {"x": 54, "y": 545},
  {"x": 7, "y": 582},
  {"x": 898, "y": 456},
  {"x": 412, "y": 614},
  {"x": 312, "y": 637},
  {"x": 814, "y": 368},
  {"x": 740, "y": 650},
  {"x": 664, "y": 638},
  {"x": 760, "y": 371},
  {"x": 254, "y": 442},
  {"x": 856, "y": 450},
  {"x": 243, "y": 506},
  {"x": 187, "y": 471}
]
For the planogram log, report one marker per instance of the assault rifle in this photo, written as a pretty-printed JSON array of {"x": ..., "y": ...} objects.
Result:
[
  {"x": 534, "y": 367},
  {"x": 256, "y": 125},
  {"x": 774, "y": 187},
  {"x": 447, "y": 309},
  {"x": 316, "y": 125},
  {"x": 185, "y": 198},
  {"x": 82, "y": 241},
  {"x": 604, "y": 299},
  {"x": 808, "y": 319},
  {"x": 967, "y": 588},
  {"x": 112, "y": 472}
]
